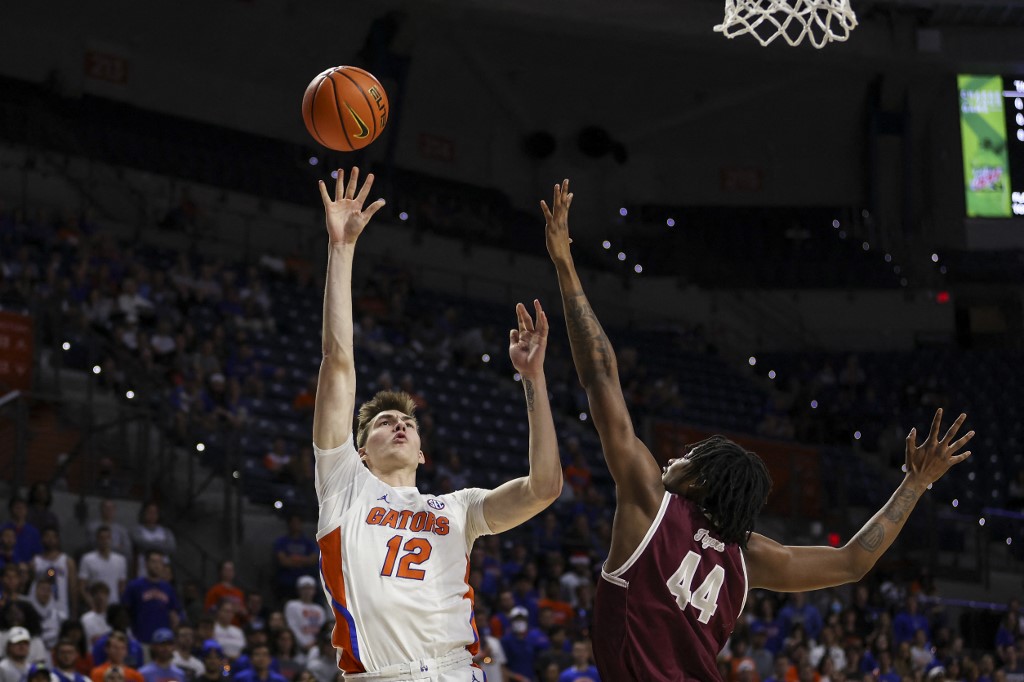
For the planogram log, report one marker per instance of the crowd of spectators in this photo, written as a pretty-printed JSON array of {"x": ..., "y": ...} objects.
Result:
[
  {"x": 113, "y": 611},
  {"x": 112, "y": 614}
]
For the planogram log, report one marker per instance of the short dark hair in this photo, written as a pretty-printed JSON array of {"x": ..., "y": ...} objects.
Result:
[
  {"x": 735, "y": 483},
  {"x": 383, "y": 401},
  {"x": 261, "y": 645}
]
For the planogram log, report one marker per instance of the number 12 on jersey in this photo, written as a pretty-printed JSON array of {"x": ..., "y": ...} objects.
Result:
[
  {"x": 705, "y": 597},
  {"x": 417, "y": 551}
]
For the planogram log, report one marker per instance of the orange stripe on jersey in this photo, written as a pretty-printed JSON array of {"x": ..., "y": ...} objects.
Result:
[
  {"x": 473, "y": 648},
  {"x": 344, "y": 635}
]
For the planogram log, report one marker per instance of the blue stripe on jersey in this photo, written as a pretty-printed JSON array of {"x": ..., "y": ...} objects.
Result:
[{"x": 345, "y": 612}]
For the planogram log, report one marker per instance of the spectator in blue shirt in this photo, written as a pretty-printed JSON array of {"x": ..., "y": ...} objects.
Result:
[
  {"x": 582, "y": 669},
  {"x": 296, "y": 555},
  {"x": 259, "y": 670},
  {"x": 120, "y": 620},
  {"x": 799, "y": 611},
  {"x": 151, "y": 600},
  {"x": 160, "y": 669},
  {"x": 519, "y": 650},
  {"x": 908, "y": 622},
  {"x": 28, "y": 542}
]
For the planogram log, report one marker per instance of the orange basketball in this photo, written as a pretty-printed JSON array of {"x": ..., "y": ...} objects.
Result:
[{"x": 345, "y": 108}]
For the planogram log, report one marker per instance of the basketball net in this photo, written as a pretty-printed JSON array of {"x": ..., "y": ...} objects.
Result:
[{"x": 819, "y": 21}]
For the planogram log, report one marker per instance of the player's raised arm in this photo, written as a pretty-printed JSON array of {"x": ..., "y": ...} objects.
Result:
[
  {"x": 517, "y": 501},
  {"x": 336, "y": 390},
  {"x": 636, "y": 474},
  {"x": 773, "y": 566}
]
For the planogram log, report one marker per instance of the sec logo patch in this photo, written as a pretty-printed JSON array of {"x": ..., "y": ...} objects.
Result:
[{"x": 435, "y": 504}]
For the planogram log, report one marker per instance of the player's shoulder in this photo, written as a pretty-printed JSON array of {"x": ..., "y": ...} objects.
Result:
[
  {"x": 349, "y": 446},
  {"x": 463, "y": 497}
]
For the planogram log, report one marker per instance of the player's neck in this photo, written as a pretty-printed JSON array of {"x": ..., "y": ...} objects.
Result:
[{"x": 400, "y": 478}]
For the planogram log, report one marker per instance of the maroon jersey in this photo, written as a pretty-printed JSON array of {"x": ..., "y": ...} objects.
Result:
[{"x": 664, "y": 615}]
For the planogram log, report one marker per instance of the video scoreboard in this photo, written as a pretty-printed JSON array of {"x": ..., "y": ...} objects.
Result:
[{"x": 992, "y": 138}]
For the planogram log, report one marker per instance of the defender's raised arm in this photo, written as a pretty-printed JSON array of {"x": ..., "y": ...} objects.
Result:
[
  {"x": 798, "y": 569},
  {"x": 636, "y": 474},
  {"x": 336, "y": 390}
]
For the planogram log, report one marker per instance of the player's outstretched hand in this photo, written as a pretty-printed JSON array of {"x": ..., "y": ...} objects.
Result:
[
  {"x": 556, "y": 222},
  {"x": 346, "y": 217},
  {"x": 933, "y": 458},
  {"x": 526, "y": 345}
]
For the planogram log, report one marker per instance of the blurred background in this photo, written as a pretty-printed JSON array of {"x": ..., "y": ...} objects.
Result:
[{"x": 804, "y": 249}]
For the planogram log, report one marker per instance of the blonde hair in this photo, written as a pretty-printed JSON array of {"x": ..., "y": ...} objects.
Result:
[{"x": 383, "y": 401}]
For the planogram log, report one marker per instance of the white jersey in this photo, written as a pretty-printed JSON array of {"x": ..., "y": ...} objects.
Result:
[
  {"x": 58, "y": 570},
  {"x": 394, "y": 564}
]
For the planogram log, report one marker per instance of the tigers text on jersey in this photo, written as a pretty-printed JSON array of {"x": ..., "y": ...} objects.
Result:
[
  {"x": 394, "y": 564},
  {"x": 664, "y": 615}
]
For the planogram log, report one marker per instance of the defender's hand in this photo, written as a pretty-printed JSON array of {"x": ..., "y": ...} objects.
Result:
[
  {"x": 527, "y": 343},
  {"x": 556, "y": 222},
  {"x": 345, "y": 215},
  {"x": 933, "y": 458}
]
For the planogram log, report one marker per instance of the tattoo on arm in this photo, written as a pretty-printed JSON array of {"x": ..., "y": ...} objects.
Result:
[
  {"x": 529, "y": 394},
  {"x": 591, "y": 348},
  {"x": 900, "y": 505},
  {"x": 871, "y": 537}
]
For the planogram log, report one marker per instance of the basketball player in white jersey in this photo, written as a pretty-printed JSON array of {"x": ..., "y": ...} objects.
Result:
[{"x": 394, "y": 561}]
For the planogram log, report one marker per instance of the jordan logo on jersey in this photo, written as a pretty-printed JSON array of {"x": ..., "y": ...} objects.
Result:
[
  {"x": 704, "y": 538},
  {"x": 415, "y": 521},
  {"x": 384, "y": 497}
]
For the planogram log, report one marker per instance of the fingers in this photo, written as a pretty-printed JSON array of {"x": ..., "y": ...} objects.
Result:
[
  {"x": 339, "y": 183},
  {"x": 956, "y": 459},
  {"x": 912, "y": 438},
  {"x": 962, "y": 442},
  {"x": 954, "y": 427},
  {"x": 323, "y": 193},
  {"x": 373, "y": 208},
  {"x": 513, "y": 337},
  {"x": 933, "y": 435},
  {"x": 546, "y": 211},
  {"x": 525, "y": 321},
  {"x": 560, "y": 196},
  {"x": 364, "y": 191},
  {"x": 353, "y": 182},
  {"x": 542, "y": 317}
]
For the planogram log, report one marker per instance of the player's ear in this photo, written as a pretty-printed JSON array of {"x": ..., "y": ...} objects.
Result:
[
  {"x": 362, "y": 453},
  {"x": 421, "y": 458}
]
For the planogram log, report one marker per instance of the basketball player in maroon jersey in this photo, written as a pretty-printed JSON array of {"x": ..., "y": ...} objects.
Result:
[{"x": 683, "y": 554}]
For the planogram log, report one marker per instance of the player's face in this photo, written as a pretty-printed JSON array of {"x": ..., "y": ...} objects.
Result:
[
  {"x": 678, "y": 476},
  {"x": 393, "y": 442}
]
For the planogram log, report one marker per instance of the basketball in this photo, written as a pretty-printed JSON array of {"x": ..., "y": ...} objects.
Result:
[{"x": 345, "y": 108}]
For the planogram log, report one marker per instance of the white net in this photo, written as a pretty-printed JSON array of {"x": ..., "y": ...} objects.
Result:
[{"x": 819, "y": 21}]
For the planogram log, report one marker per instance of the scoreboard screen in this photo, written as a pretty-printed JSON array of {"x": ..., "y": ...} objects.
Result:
[{"x": 992, "y": 137}]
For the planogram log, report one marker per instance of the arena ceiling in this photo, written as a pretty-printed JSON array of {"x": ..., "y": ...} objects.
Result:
[{"x": 886, "y": 26}]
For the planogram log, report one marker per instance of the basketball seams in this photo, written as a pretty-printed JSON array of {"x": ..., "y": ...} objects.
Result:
[
  {"x": 311, "y": 117},
  {"x": 341, "y": 117},
  {"x": 366, "y": 98}
]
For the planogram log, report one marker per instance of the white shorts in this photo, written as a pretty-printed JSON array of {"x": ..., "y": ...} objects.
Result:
[
  {"x": 469, "y": 673},
  {"x": 456, "y": 666}
]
